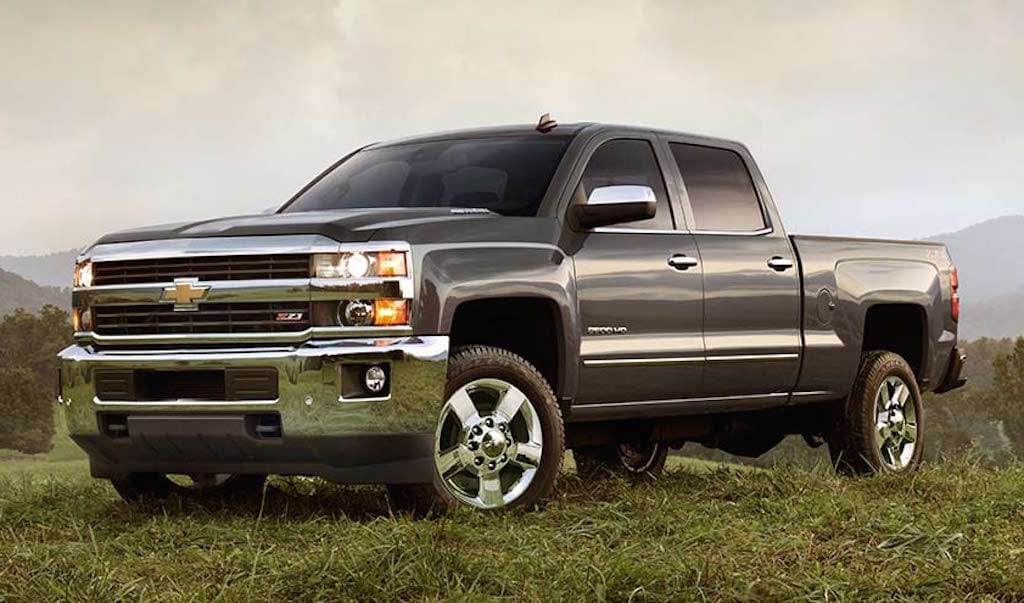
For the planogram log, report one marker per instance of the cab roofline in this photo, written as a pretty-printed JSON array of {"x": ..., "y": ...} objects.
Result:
[{"x": 562, "y": 130}]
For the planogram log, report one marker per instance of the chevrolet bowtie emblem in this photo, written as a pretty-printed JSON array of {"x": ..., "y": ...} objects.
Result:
[{"x": 185, "y": 294}]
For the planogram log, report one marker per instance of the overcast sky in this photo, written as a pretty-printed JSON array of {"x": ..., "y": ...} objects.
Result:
[{"x": 882, "y": 119}]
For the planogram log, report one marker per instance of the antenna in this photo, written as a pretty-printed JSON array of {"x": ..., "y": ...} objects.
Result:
[{"x": 546, "y": 124}]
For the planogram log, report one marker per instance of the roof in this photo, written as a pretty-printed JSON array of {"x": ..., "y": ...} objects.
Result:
[{"x": 563, "y": 130}]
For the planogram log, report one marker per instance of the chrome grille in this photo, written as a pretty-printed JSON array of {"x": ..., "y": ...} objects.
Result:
[
  {"x": 161, "y": 319},
  {"x": 205, "y": 268}
]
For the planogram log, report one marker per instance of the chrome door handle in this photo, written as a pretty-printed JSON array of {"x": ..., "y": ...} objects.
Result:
[
  {"x": 682, "y": 262},
  {"x": 780, "y": 264}
]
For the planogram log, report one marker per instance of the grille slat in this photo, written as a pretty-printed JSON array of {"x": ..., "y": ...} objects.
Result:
[
  {"x": 215, "y": 268},
  {"x": 161, "y": 319}
]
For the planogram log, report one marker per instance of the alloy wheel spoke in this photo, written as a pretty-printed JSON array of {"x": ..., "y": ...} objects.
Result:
[
  {"x": 510, "y": 403},
  {"x": 901, "y": 394},
  {"x": 910, "y": 432},
  {"x": 453, "y": 460},
  {"x": 463, "y": 407},
  {"x": 528, "y": 455},
  {"x": 490, "y": 490}
]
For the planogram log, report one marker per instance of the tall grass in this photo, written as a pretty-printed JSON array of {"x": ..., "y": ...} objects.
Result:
[{"x": 953, "y": 531}]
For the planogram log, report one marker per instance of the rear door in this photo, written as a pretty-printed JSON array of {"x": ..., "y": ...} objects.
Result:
[
  {"x": 640, "y": 309},
  {"x": 750, "y": 272}
]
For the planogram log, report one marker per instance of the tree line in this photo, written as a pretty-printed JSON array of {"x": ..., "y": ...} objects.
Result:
[{"x": 29, "y": 344}]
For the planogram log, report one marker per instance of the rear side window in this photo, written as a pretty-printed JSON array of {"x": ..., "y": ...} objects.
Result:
[
  {"x": 721, "y": 192},
  {"x": 628, "y": 161}
]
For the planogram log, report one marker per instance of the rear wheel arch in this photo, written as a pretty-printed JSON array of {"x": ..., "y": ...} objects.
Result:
[{"x": 901, "y": 328}]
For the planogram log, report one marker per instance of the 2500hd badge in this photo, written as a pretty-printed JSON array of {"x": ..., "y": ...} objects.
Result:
[{"x": 447, "y": 314}]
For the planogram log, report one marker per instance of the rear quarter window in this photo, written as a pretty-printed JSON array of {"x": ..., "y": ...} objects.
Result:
[{"x": 721, "y": 192}]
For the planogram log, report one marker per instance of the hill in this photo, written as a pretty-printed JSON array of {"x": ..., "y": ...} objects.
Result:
[
  {"x": 52, "y": 270},
  {"x": 987, "y": 256},
  {"x": 17, "y": 292}
]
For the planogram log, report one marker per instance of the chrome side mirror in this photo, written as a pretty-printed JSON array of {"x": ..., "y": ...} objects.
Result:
[{"x": 616, "y": 204}]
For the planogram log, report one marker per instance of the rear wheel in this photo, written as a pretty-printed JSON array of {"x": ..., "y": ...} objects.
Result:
[
  {"x": 141, "y": 487},
  {"x": 633, "y": 460},
  {"x": 499, "y": 440},
  {"x": 880, "y": 425}
]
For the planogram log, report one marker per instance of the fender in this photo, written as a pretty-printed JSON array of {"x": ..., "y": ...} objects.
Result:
[{"x": 454, "y": 273}]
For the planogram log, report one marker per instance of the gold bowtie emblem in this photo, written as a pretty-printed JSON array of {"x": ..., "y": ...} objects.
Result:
[{"x": 185, "y": 294}]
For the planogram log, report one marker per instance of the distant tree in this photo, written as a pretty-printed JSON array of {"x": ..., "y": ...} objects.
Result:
[
  {"x": 1006, "y": 396},
  {"x": 29, "y": 344},
  {"x": 32, "y": 341},
  {"x": 27, "y": 412}
]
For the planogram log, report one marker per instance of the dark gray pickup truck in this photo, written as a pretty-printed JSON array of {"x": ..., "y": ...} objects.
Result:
[{"x": 447, "y": 314}]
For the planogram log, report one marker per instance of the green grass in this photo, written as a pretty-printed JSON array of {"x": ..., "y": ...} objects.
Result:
[{"x": 953, "y": 531}]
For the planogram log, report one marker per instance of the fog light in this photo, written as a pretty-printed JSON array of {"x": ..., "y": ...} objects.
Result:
[
  {"x": 357, "y": 313},
  {"x": 81, "y": 319},
  {"x": 375, "y": 379}
]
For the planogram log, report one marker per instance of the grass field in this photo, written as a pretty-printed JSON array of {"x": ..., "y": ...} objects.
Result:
[{"x": 953, "y": 531}]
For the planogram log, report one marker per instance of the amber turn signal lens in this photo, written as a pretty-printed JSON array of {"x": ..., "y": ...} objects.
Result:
[
  {"x": 390, "y": 312},
  {"x": 391, "y": 263}
]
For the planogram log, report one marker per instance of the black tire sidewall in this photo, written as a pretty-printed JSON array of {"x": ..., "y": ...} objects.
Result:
[
  {"x": 858, "y": 452},
  {"x": 483, "y": 362}
]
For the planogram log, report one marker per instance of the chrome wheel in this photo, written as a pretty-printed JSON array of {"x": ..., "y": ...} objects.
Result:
[
  {"x": 895, "y": 423},
  {"x": 488, "y": 444}
]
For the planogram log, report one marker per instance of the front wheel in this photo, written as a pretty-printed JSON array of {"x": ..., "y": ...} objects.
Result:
[
  {"x": 880, "y": 426},
  {"x": 499, "y": 441}
]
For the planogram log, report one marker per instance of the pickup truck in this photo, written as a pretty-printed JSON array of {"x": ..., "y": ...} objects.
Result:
[{"x": 447, "y": 314}]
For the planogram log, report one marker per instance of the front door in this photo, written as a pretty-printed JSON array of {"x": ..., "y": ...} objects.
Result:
[
  {"x": 639, "y": 290},
  {"x": 751, "y": 278}
]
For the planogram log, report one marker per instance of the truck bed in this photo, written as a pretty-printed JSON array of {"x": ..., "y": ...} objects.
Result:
[{"x": 845, "y": 279}]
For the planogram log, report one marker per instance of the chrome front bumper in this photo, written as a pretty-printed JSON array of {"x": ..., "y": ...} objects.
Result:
[{"x": 322, "y": 433}]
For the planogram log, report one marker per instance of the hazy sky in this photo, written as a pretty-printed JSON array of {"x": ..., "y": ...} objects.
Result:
[{"x": 898, "y": 119}]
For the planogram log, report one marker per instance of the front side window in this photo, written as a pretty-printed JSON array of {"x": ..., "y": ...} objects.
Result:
[
  {"x": 720, "y": 189},
  {"x": 627, "y": 161},
  {"x": 507, "y": 175}
]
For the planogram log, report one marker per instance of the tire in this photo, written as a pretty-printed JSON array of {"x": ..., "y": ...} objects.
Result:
[
  {"x": 879, "y": 427},
  {"x": 156, "y": 487},
  {"x": 634, "y": 461},
  {"x": 487, "y": 447}
]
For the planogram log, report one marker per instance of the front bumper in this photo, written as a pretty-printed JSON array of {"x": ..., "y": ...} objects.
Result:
[{"x": 322, "y": 433}]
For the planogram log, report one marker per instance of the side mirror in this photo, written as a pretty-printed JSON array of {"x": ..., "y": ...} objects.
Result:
[{"x": 615, "y": 205}]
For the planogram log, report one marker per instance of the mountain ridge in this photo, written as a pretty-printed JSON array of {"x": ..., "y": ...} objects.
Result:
[{"x": 19, "y": 292}]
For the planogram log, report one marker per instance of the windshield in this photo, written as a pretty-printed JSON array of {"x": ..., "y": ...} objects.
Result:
[{"x": 507, "y": 175}]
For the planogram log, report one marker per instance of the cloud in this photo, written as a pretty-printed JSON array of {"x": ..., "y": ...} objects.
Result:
[{"x": 889, "y": 119}]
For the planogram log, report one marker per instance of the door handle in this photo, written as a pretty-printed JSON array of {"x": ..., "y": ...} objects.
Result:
[
  {"x": 682, "y": 262},
  {"x": 780, "y": 264}
]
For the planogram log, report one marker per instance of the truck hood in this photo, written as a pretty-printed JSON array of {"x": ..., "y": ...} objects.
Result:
[{"x": 354, "y": 225}]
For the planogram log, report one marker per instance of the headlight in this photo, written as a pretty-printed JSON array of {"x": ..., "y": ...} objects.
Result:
[
  {"x": 359, "y": 265},
  {"x": 83, "y": 274}
]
